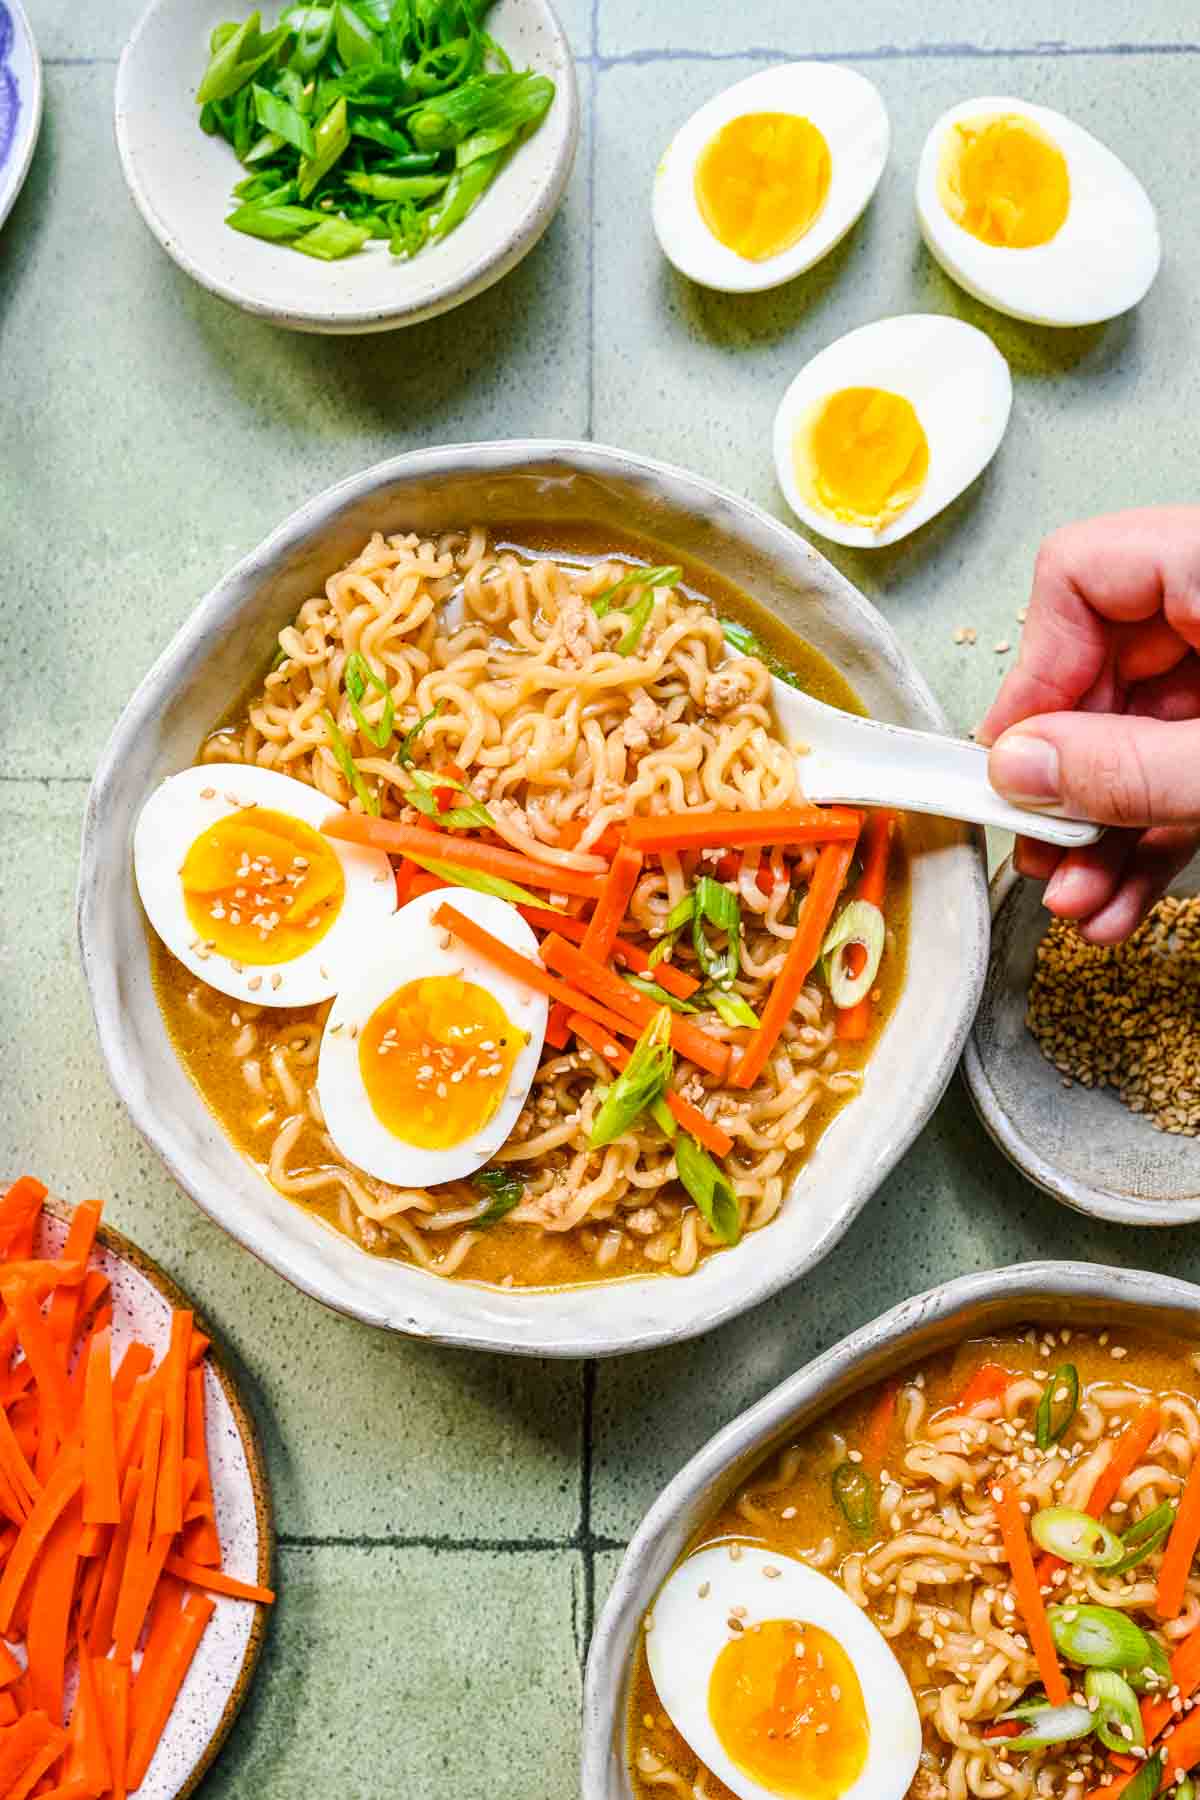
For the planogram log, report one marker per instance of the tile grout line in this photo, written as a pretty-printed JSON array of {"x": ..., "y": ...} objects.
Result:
[
  {"x": 598, "y": 63},
  {"x": 590, "y": 188},
  {"x": 463, "y": 1545},
  {"x": 588, "y": 1543}
]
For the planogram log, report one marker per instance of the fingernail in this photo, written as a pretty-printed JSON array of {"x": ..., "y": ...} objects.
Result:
[
  {"x": 1025, "y": 769},
  {"x": 1066, "y": 888}
]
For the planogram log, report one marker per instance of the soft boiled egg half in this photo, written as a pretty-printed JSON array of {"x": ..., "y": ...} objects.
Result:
[
  {"x": 244, "y": 889},
  {"x": 429, "y": 1052},
  {"x": 767, "y": 177},
  {"x": 1033, "y": 215},
  {"x": 780, "y": 1685},
  {"x": 888, "y": 425}
]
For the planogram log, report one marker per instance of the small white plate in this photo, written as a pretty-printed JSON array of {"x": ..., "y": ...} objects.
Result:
[
  {"x": 20, "y": 101},
  {"x": 181, "y": 182},
  {"x": 218, "y": 1681}
]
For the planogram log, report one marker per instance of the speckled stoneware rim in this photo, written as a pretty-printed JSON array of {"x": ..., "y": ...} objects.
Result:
[
  {"x": 118, "y": 1245},
  {"x": 22, "y": 99},
  {"x": 1118, "y": 1208},
  {"x": 1069, "y": 1293},
  {"x": 213, "y": 657},
  {"x": 351, "y": 296}
]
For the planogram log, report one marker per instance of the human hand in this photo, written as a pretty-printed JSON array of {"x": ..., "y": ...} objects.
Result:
[{"x": 1102, "y": 712}]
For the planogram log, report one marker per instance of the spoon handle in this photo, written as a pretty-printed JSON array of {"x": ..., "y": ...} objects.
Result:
[{"x": 890, "y": 766}]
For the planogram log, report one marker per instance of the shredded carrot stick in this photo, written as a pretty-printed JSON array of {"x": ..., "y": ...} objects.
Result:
[
  {"x": 101, "y": 1628},
  {"x": 12, "y": 1460},
  {"x": 879, "y": 1425},
  {"x": 717, "y": 1141},
  {"x": 521, "y": 968},
  {"x": 19, "y": 1746},
  {"x": 611, "y": 907},
  {"x": 1015, "y": 1538},
  {"x": 133, "y": 1598},
  {"x": 828, "y": 879},
  {"x": 164, "y": 1622},
  {"x": 602, "y": 984},
  {"x": 1182, "y": 1745},
  {"x": 8, "y": 1710},
  {"x": 736, "y": 830},
  {"x": 199, "y": 1347},
  {"x": 134, "y": 1364},
  {"x": 69, "y": 1790},
  {"x": 1185, "y": 1675},
  {"x": 1127, "y": 1453},
  {"x": 854, "y": 1022},
  {"x": 50, "y": 1611},
  {"x": 40, "y": 1353},
  {"x": 56, "y": 1496},
  {"x": 81, "y": 1235},
  {"x": 625, "y": 951},
  {"x": 10, "y": 1668},
  {"x": 168, "y": 1515},
  {"x": 988, "y": 1382},
  {"x": 464, "y": 852},
  {"x": 1180, "y": 1548},
  {"x": 46, "y": 1753},
  {"x": 217, "y": 1582},
  {"x": 21, "y": 1205},
  {"x": 87, "y": 1757},
  {"x": 112, "y": 1693},
  {"x": 168, "y": 1677},
  {"x": 101, "y": 1488},
  {"x": 200, "y": 1541}
]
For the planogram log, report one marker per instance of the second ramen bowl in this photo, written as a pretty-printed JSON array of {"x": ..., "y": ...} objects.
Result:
[
  {"x": 230, "y": 638},
  {"x": 1074, "y": 1294}
]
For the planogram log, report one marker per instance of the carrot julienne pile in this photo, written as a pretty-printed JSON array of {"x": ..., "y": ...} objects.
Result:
[{"x": 109, "y": 1549}]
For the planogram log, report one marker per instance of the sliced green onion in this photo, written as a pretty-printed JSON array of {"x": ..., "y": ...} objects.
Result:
[
  {"x": 730, "y": 1008},
  {"x": 1184, "y": 1790},
  {"x": 487, "y": 102},
  {"x": 1050, "y": 1724},
  {"x": 267, "y": 146},
  {"x": 1144, "y": 1538},
  {"x": 746, "y": 643},
  {"x": 332, "y": 239},
  {"x": 706, "y": 1184},
  {"x": 855, "y": 1494},
  {"x": 423, "y": 795},
  {"x": 355, "y": 39},
  {"x": 277, "y": 224},
  {"x": 659, "y": 995},
  {"x": 1148, "y": 1779},
  {"x": 717, "y": 906},
  {"x": 1100, "y": 1637},
  {"x": 479, "y": 883},
  {"x": 313, "y": 26},
  {"x": 639, "y": 618},
  {"x": 1075, "y": 1537},
  {"x": 356, "y": 677},
  {"x": 679, "y": 915},
  {"x": 348, "y": 766},
  {"x": 237, "y": 58},
  {"x": 860, "y": 923},
  {"x": 481, "y": 143},
  {"x": 404, "y": 754},
  {"x": 663, "y": 1117},
  {"x": 466, "y": 188},
  {"x": 506, "y": 1189},
  {"x": 1153, "y": 1673},
  {"x": 332, "y": 141},
  {"x": 642, "y": 1081},
  {"x": 665, "y": 575},
  {"x": 398, "y": 187},
  {"x": 1057, "y": 1407},
  {"x": 1115, "y": 1706},
  {"x": 283, "y": 121}
]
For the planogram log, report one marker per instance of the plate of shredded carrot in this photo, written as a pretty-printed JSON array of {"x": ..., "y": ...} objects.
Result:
[{"x": 135, "y": 1528}]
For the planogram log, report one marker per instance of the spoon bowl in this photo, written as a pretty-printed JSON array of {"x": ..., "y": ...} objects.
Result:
[{"x": 864, "y": 762}]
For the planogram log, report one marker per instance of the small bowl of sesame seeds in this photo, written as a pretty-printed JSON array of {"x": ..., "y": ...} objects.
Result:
[{"x": 1084, "y": 1061}]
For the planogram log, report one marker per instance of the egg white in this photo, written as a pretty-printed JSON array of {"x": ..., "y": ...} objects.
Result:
[
  {"x": 686, "y": 1633},
  {"x": 849, "y": 113},
  {"x": 194, "y": 800},
  {"x": 1100, "y": 262},
  {"x": 958, "y": 384},
  {"x": 410, "y": 948}
]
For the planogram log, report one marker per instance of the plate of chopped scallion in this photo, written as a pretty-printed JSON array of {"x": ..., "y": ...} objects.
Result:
[{"x": 347, "y": 167}]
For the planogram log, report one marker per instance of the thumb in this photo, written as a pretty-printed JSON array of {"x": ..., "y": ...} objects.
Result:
[{"x": 1112, "y": 769}]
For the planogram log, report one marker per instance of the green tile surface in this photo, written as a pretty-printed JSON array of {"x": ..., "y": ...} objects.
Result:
[{"x": 448, "y": 1522}]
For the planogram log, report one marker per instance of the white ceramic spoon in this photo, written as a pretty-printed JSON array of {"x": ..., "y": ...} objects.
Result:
[{"x": 862, "y": 762}]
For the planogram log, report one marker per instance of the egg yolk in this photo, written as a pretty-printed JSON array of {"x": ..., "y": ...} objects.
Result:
[
  {"x": 261, "y": 887},
  {"x": 786, "y": 1703},
  {"x": 1005, "y": 182},
  {"x": 436, "y": 1058},
  {"x": 862, "y": 456},
  {"x": 761, "y": 182}
]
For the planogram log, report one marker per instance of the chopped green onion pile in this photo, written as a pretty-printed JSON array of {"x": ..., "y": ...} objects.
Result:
[{"x": 365, "y": 119}]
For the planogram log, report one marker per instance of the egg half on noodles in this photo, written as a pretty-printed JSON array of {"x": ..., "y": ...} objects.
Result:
[
  {"x": 888, "y": 425},
  {"x": 779, "y": 1683},
  {"x": 768, "y": 176},
  {"x": 428, "y": 1055},
  {"x": 1033, "y": 215},
  {"x": 245, "y": 890}
]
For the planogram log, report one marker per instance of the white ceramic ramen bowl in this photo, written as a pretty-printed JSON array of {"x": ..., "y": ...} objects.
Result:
[
  {"x": 231, "y": 635},
  {"x": 1062, "y": 1293},
  {"x": 180, "y": 181},
  {"x": 1082, "y": 1145}
]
